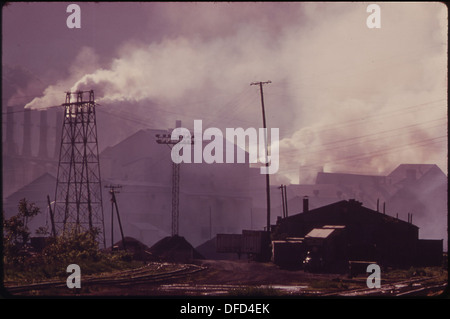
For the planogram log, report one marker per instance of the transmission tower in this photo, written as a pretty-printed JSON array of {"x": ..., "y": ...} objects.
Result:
[
  {"x": 166, "y": 139},
  {"x": 78, "y": 197}
]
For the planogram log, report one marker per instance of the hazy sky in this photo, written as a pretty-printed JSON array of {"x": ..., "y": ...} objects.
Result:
[{"x": 345, "y": 97}]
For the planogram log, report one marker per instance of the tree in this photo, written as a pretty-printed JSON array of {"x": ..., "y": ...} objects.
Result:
[
  {"x": 72, "y": 247},
  {"x": 16, "y": 233}
]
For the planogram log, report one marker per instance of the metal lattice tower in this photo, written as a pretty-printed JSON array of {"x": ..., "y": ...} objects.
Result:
[
  {"x": 78, "y": 198},
  {"x": 175, "y": 197},
  {"x": 166, "y": 139}
]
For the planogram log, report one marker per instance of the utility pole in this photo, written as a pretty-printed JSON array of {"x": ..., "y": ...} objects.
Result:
[
  {"x": 52, "y": 218},
  {"x": 267, "y": 151},
  {"x": 282, "y": 201},
  {"x": 285, "y": 200},
  {"x": 113, "y": 192},
  {"x": 166, "y": 139}
]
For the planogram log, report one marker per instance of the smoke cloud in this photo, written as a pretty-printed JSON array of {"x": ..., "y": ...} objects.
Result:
[{"x": 345, "y": 97}]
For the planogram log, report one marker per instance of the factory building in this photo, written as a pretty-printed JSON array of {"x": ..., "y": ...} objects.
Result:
[
  {"x": 227, "y": 198},
  {"x": 30, "y": 146},
  {"x": 213, "y": 197},
  {"x": 347, "y": 231}
]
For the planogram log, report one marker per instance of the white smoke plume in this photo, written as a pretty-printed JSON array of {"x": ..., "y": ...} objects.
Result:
[{"x": 345, "y": 97}]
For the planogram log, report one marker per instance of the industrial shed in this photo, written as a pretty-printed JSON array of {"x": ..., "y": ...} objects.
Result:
[{"x": 365, "y": 235}]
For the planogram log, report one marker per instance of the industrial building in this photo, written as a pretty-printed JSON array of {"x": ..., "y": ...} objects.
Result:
[
  {"x": 347, "y": 231},
  {"x": 213, "y": 198},
  {"x": 223, "y": 199}
]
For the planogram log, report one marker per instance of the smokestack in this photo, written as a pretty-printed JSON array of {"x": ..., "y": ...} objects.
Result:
[
  {"x": 305, "y": 204},
  {"x": 10, "y": 145},
  {"x": 58, "y": 130},
  {"x": 43, "y": 153},
  {"x": 26, "y": 146}
]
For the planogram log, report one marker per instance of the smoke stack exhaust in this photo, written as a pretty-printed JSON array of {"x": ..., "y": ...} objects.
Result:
[{"x": 305, "y": 204}]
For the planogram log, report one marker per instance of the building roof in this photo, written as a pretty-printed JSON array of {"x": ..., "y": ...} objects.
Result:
[
  {"x": 319, "y": 233},
  {"x": 406, "y": 172},
  {"x": 342, "y": 212},
  {"x": 35, "y": 192}
]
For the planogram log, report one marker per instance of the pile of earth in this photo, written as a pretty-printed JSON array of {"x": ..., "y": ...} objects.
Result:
[
  {"x": 173, "y": 249},
  {"x": 133, "y": 246}
]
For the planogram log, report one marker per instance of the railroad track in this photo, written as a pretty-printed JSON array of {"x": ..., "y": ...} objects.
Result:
[
  {"x": 128, "y": 277},
  {"x": 411, "y": 287},
  {"x": 421, "y": 286}
]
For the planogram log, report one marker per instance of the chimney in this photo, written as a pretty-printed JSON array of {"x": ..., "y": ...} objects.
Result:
[
  {"x": 43, "y": 153},
  {"x": 58, "y": 134},
  {"x": 305, "y": 204},
  {"x": 10, "y": 145},
  {"x": 26, "y": 146}
]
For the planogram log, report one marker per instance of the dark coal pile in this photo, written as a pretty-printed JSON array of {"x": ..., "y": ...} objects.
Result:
[
  {"x": 173, "y": 249},
  {"x": 133, "y": 246}
]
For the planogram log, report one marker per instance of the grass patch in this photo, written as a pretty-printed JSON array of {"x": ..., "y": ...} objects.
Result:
[
  {"x": 37, "y": 271},
  {"x": 440, "y": 273}
]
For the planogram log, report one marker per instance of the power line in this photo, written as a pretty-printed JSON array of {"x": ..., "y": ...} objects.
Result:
[
  {"x": 366, "y": 118},
  {"x": 323, "y": 146},
  {"x": 373, "y": 154}
]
